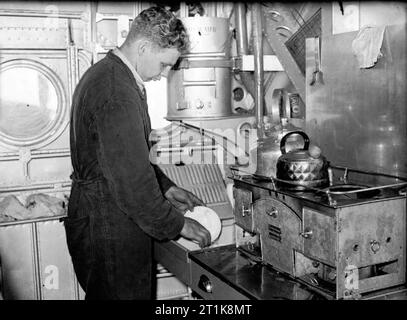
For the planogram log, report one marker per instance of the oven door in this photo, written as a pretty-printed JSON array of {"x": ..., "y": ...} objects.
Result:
[
  {"x": 279, "y": 227},
  {"x": 319, "y": 236}
]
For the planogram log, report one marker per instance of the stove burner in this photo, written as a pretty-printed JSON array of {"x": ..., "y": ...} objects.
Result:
[{"x": 344, "y": 189}]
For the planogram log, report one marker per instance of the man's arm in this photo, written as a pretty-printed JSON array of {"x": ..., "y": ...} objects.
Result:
[{"x": 164, "y": 182}]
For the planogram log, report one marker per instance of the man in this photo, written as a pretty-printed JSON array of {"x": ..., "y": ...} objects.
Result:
[{"x": 120, "y": 201}]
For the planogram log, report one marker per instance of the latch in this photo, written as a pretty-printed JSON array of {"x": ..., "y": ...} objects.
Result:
[
  {"x": 247, "y": 211},
  {"x": 307, "y": 233}
]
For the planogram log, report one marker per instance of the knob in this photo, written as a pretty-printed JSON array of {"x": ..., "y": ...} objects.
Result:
[
  {"x": 332, "y": 275},
  {"x": 307, "y": 234},
  {"x": 374, "y": 246},
  {"x": 272, "y": 212},
  {"x": 205, "y": 284}
]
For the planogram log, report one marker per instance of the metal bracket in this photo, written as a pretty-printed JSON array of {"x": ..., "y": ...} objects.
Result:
[{"x": 277, "y": 43}]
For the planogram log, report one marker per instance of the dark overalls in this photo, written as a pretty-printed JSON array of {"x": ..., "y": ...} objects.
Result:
[{"x": 116, "y": 204}]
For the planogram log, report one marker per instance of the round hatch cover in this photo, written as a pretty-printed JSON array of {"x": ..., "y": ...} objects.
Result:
[{"x": 32, "y": 103}]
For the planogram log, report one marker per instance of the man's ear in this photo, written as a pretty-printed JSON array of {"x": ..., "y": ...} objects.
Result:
[{"x": 142, "y": 47}]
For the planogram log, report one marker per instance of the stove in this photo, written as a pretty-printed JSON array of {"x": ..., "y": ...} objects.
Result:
[{"x": 344, "y": 241}]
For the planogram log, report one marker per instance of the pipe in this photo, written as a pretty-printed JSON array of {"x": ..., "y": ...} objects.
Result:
[
  {"x": 258, "y": 66},
  {"x": 93, "y": 31},
  {"x": 247, "y": 78},
  {"x": 241, "y": 28},
  {"x": 242, "y": 44}
]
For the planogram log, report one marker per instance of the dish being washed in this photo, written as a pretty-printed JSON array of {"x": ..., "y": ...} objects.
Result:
[{"x": 208, "y": 218}]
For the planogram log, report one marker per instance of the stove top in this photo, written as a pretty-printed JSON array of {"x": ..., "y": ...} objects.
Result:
[{"x": 348, "y": 187}]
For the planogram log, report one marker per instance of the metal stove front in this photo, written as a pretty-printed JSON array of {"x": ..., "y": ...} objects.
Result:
[{"x": 344, "y": 244}]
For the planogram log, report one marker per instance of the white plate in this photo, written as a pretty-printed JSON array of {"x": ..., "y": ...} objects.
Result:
[{"x": 207, "y": 218}]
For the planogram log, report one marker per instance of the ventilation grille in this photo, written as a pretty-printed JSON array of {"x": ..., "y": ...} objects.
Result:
[
  {"x": 274, "y": 232},
  {"x": 203, "y": 180}
]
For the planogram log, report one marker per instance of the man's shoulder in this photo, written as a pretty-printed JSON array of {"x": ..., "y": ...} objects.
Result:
[
  {"x": 106, "y": 78},
  {"x": 100, "y": 70}
]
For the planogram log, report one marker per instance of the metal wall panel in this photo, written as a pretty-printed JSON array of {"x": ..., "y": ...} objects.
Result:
[
  {"x": 12, "y": 172},
  {"x": 36, "y": 264},
  {"x": 36, "y": 41},
  {"x": 50, "y": 169},
  {"x": 359, "y": 116},
  {"x": 39, "y": 32},
  {"x": 57, "y": 277},
  {"x": 18, "y": 261}
]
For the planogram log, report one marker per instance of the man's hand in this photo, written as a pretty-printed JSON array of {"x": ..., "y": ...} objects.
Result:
[
  {"x": 193, "y": 230},
  {"x": 182, "y": 200}
]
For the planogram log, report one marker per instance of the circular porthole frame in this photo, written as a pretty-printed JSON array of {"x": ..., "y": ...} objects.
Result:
[{"x": 54, "y": 129}]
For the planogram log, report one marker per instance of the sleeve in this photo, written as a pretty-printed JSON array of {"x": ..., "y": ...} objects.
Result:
[
  {"x": 123, "y": 155},
  {"x": 164, "y": 182}
]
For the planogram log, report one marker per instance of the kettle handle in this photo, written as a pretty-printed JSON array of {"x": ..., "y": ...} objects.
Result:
[{"x": 301, "y": 133}]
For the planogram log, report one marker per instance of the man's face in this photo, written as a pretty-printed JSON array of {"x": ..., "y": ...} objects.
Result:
[{"x": 156, "y": 62}]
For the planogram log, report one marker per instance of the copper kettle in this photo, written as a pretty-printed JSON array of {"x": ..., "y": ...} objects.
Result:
[{"x": 300, "y": 167}]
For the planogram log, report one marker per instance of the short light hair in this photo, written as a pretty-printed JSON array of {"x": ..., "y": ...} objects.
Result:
[{"x": 161, "y": 27}]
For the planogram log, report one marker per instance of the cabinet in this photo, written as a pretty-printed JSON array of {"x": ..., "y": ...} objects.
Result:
[{"x": 35, "y": 262}]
